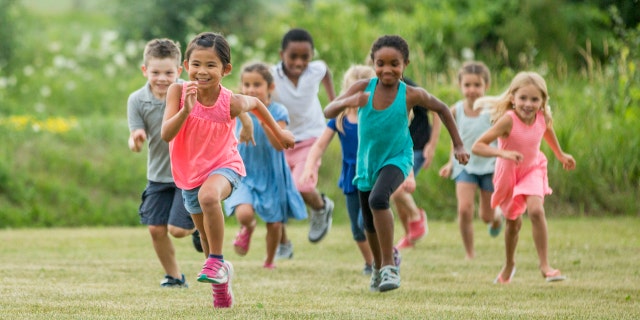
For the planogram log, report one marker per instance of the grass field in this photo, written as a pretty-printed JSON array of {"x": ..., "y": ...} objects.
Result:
[{"x": 112, "y": 273}]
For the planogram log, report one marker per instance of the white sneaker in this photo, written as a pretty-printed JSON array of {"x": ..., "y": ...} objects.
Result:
[
  {"x": 321, "y": 220},
  {"x": 284, "y": 251},
  {"x": 390, "y": 278}
]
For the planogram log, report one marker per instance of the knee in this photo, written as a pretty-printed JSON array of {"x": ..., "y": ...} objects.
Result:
[
  {"x": 209, "y": 200},
  {"x": 178, "y": 232},
  {"x": 378, "y": 201},
  {"x": 158, "y": 231}
]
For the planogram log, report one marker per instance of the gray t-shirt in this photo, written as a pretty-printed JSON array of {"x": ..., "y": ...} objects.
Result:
[{"x": 144, "y": 111}]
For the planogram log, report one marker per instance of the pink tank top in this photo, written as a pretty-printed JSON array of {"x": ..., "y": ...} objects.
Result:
[{"x": 205, "y": 142}]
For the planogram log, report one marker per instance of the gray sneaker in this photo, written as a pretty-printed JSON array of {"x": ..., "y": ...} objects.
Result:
[
  {"x": 284, "y": 251},
  {"x": 390, "y": 278},
  {"x": 321, "y": 220},
  {"x": 171, "y": 282},
  {"x": 374, "y": 284}
]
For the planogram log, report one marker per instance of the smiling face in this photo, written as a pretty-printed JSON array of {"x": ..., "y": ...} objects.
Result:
[
  {"x": 527, "y": 101},
  {"x": 389, "y": 64},
  {"x": 161, "y": 73},
  {"x": 255, "y": 85},
  {"x": 206, "y": 68},
  {"x": 472, "y": 87},
  {"x": 296, "y": 57}
]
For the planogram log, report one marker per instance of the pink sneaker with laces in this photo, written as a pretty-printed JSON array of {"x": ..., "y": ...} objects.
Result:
[
  {"x": 222, "y": 293},
  {"x": 417, "y": 229},
  {"x": 243, "y": 240},
  {"x": 214, "y": 271},
  {"x": 404, "y": 243}
]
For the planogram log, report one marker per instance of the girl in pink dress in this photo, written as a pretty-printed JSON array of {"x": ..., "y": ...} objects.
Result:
[
  {"x": 199, "y": 124},
  {"x": 521, "y": 118}
]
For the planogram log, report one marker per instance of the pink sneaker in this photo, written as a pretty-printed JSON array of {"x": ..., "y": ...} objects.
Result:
[
  {"x": 417, "y": 229},
  {"x": 404, "y": 243},
  {"x": 222, "y": 294},
  {"x": 269, "y": 266},
  {"x": 214, "y": 271},
  {"x": 243, "y": 239}
]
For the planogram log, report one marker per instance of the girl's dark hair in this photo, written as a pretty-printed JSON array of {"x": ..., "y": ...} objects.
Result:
[
  {"x": 295, "y": 35},
  {"x": 210, "y": 40},
  {"x": 261, "y": 68},
  {"x": 392, "y": 41}
]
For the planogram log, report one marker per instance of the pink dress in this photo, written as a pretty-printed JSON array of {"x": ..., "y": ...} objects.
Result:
[
  {"x": 205, "y": 142},
  {"x": 512, "y": 183}
]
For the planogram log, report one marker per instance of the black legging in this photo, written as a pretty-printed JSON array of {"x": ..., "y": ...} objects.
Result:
[{"x": 389, "y": 179}]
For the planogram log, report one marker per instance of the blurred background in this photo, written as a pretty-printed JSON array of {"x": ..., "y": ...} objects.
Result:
[{"x": 68, "y": 66}]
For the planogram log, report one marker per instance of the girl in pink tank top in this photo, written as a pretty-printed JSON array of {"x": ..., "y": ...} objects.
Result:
[
  {"x": 521, "y": 120},
  {"x": 199, "y": 123}
]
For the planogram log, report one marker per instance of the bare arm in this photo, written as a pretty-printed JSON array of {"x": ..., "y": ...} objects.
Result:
[
  {"x": 352, "y": 98},
  {"x": 174, "y": 117},
  {"x": 242, "y": 103},
  {"x": 272, "y": 138},
  {"x": 501, "y": 128},
  {"x": 327, "y": 82},
  {"x": 429, "y": 151},
  {"x": 420, "y": 97},
  {"x": 246, "y": 132},
  {"x": 568, "y": 163},
  {"x": 315, "y": 154},
  {"x": 447, "y": 168},
  {"x": 137, "y": 139}
]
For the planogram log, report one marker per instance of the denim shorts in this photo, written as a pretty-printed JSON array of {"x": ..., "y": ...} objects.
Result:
[
  {"x": 190, "y": 197},
  {"x": 484, "y": 181}
]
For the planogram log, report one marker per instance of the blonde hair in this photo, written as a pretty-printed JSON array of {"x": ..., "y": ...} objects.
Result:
[
  {"x": 498, "y": 105},
  {"x": 353, "y": 74}
]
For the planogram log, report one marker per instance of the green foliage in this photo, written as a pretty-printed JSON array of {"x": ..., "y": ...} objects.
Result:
[
  {"x": 180, "y": 19},
  {"x": 9, "y": 28}
]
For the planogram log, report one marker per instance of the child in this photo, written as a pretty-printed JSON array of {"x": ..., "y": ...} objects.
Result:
[
  {"x": 297, "y": 81},
  {"x": 521, "y": 118},
  {"x": 346, "y": 125},
  {"x": 474, "y": 79},
  {"x": 161, "y": 209},
  {"x": 425, "y": 139},
  {"x": 385, "y": 154},
  {"x": 199, "y": 125},
  {"x": 268, "y": 188}
]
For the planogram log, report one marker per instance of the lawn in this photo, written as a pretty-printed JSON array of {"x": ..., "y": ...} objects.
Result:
[{"x": 112, "y": 273}]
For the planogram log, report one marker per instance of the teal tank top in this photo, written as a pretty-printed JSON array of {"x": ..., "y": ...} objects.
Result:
[{"x": 383, "y": 138}]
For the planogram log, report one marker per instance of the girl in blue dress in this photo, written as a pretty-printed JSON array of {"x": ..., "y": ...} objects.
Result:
[{"x": 268, "y": 189}]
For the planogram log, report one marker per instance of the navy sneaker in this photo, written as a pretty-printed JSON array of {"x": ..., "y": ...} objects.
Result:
[
  {"x": 195, "y": 237},
  {"x": 171, "y": 282}
]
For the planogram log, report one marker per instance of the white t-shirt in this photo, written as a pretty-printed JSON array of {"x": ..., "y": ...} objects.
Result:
[{"x": 305, "y": 111}]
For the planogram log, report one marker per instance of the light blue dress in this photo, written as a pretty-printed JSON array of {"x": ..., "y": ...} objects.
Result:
[{"x": 269, "y": 185}]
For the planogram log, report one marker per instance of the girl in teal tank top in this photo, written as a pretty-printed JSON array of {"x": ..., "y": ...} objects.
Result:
[{"x": 385, "y": 151}]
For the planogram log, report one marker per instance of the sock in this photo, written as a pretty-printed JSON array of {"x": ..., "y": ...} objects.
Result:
[{"x": 215, "y": 256}]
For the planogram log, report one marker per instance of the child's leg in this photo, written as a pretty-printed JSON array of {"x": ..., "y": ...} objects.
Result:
[
  {"x": 510, "y": 243},
  {"x": 465, "y": 193},
  {"x": 164, "y": 250},
  {"x": 539, "y": 230},
  {"x": 357, "y": 228},
  {"x": 274, "y": 233},
  {"x": 389, "y": 179},
  {"x": 369, "y": 228},
  {"x": 246, "y": 217},
  {"x": 198, "y": 221},
  {"x": 215, "y": 189}
]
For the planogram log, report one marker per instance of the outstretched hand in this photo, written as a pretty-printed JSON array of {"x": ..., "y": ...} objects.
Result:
[
  {"x": 568, "y": 163},
  {"x": 461, "y": 155},
  {"x": 287, "y": 139}
]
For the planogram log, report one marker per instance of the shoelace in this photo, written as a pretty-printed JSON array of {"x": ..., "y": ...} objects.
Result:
[
  {"x": 214, "y": 267},
  {"x": 221, "y": 297}
]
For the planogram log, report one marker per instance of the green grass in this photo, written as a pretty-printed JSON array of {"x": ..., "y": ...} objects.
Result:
[{"x": 112, "y": 273}]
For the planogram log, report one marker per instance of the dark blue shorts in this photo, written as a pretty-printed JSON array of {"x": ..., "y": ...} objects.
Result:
[{"x": 162, "y": 205}]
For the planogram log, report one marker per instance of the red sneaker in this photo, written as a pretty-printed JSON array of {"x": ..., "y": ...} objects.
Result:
[{"x": 418, "y": 229}]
